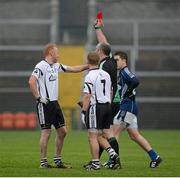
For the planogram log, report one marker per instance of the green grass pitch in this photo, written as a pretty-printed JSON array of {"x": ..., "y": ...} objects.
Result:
[{"x": 19, "y": 155}]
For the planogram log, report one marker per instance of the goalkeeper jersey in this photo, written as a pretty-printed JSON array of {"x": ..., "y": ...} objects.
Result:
[{"x": 47, "y": 78}]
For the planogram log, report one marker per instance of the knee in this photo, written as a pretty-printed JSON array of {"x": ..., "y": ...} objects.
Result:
[
  {"x": 46, "y": 134},
  {"x": 105, "y": 135},
  {"x": 134, "y": 136},
  {"x": 62, "y": 133},
  {"x": 90, "y": 139}
]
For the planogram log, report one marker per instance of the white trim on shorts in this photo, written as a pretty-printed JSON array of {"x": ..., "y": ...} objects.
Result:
[
  {"x": 93, "y": 130},
  {"x": 128, "y": 120},
  {"x": 92, "y": 117},
  {"x": 41, "y": 113}
]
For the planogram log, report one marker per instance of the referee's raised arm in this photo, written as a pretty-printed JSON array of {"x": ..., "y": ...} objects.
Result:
[{"x": 99, "y": 33}]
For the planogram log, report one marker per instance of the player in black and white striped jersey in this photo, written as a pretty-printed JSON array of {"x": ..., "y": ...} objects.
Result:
[
  {"x": 96, "y": 112},
  {"x": 44, "y": 86}
]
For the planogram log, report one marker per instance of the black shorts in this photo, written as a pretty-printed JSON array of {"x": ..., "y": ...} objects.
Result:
[
  {"x": 50, "y": 114},
  {"x": 115, "y": 109},
  {"x": 99, "y": 116}
]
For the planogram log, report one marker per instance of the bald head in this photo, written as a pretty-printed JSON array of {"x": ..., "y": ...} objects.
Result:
[
  {"x": 48, "y": 48},
  {"x": 104, "y": 47},
  {"x": 51, "y": 53}
]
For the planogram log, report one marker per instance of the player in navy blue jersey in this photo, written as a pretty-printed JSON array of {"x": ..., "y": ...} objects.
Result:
[{"x": 126, "y": 118}]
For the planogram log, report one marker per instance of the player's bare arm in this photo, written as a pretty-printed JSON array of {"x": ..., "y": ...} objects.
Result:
[
  {"x": 86, "y": 101},
  {"x": 33, "y": 86},
  {"x": 75, "y": 69}
]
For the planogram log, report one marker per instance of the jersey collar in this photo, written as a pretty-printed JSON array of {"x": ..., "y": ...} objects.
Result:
[
  {"x": 47, "y": 62},
  {"x": 104, "y": 59},
  {"x": 123, "y": 67},
  {"x": 94, "y": 69}
]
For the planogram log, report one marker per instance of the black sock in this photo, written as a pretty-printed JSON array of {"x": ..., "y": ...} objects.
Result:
[
  {"x": 114, "y": 144},
  {"x": 101, "y": 149}
]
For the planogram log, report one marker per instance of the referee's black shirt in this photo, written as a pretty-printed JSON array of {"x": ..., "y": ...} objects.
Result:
[{"x": 109, "y": 65}]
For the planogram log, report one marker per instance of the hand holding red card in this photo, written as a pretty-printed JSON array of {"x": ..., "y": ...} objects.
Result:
[
  {"x": 99, "y": 15},
  {"x": 99, "y": 21}
]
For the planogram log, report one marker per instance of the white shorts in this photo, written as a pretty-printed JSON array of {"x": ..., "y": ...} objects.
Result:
[{"x": 126, "y": 119}]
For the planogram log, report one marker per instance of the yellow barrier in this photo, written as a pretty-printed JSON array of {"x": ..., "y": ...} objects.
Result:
[{"x": 70, "y": 84}]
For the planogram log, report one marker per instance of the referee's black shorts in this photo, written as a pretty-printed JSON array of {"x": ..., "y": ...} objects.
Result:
[
  {"x": 115, "y": 109},
  {"x": 50, "y": 114},
  {"x": 99, "y": 116}
]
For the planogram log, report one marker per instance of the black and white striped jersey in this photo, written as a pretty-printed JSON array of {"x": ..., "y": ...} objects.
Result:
[
  {"x": 98, "y": 84},
  {"x": 47, "y": 78}
]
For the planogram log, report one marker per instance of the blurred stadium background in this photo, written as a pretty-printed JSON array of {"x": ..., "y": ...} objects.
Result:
[{"x": 149, "y": 31}]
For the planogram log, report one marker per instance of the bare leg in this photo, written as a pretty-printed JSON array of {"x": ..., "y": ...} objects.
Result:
[
  {"x": 117, "y": 129},
  {"x": 110, "y": 132},
  {"x": 138, "y": 138},
  {"x": 104, "y": 143},
  {"x": 94, "y": 146},
  {"x": 45, "y": 135},
  {"x": 102, "y": 138},
  {"x": 61, "y": 133}
]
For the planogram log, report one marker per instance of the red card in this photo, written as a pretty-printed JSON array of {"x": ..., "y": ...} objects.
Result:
[{"x": 99, "y": 15}]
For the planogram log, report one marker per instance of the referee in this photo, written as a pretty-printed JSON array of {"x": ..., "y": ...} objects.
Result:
[
  {"x": 44, "y": 86},
  {"x": 108, "y": 64}
]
